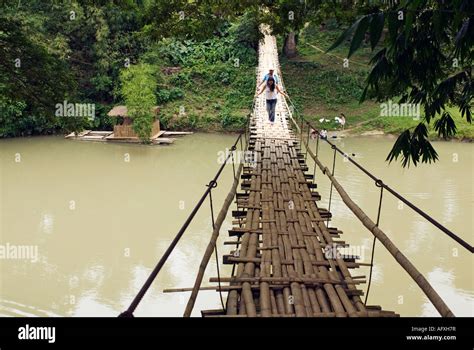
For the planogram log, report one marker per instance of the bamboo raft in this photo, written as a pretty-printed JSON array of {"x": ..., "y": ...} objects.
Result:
[{"x": 161, "y": 137}]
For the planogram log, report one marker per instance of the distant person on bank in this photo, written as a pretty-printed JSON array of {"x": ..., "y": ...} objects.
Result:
[
  {"x": 271, "y": 91},
  {"x": 342, "y": 120}
]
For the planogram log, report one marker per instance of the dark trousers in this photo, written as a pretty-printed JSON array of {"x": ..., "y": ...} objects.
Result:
[{"x": 271, "y": 104}]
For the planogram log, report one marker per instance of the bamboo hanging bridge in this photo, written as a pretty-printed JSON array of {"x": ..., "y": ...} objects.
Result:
[{"x": 285, "y": 261}]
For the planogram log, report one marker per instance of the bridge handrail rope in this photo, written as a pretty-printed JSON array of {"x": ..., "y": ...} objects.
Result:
[
  {"x": 333, "y": 55},
  {"x": 212, "y": 246},
  {"x": 432, "y": 295},
  {"x": 424, "y": 285},
  {"x": 380, "y": 183},
  {"x": 285, "y": 102},
  {"x": 216, "y": 225}
]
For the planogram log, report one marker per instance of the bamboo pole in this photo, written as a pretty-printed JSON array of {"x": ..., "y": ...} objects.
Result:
[
  {"x": 265, "y": 296},
  {"x": 299, "y": 279},
  {"x": 249, "y": 269},
  {"x": 282, "y": 270},
  {"x": 212, "y": 243},
  {"x": 416, "y": 275}
]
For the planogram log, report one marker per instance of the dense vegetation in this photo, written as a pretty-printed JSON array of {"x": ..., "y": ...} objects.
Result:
[
  {"x": 196, "y": 59},
  {"x": 310, "y": 78},
  {"x": 56, "y": 51},
  {"x": 78, "y": 51},
  {"x": 212, "y": 85}
]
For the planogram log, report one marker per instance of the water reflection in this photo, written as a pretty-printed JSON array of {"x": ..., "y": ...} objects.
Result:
[
  {"x": 46, "y": 224},
  {"x": 460, "y": 301}
]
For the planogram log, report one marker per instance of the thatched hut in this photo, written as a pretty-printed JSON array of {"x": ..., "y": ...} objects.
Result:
[{"x": 125, "y": 128}]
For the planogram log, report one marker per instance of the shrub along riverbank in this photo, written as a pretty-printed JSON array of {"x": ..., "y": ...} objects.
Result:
[{"x": 212, "y": 85}]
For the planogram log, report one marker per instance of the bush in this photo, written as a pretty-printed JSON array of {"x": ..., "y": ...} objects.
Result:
[
  {"x": 181, "y": 79},
  {"x": 231, "y": 121},
  {"x": 138, "y": 90},
  {"x": 162, "y": 96},
  {"x": 246, "y": 31},
  {"x": 190, "y": 53},
  {"x": 193, "y": 121},
  {"x": 165, "y": 95},
  {"x": 165, "y": 119}
]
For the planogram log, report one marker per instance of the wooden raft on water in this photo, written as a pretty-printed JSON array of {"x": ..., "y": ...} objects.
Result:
[
  {"x": 124, "y": 132},
  {"x": 160, "y": 137}
]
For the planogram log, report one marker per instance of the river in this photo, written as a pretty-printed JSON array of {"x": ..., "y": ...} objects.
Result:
[{"x": 98, "y": 216}]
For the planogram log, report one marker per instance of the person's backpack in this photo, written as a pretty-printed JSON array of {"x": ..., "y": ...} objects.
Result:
[{"x": 275, "y": 76}]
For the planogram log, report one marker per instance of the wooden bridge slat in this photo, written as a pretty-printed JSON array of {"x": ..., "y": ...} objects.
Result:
[{"x": 283, "y": 233}]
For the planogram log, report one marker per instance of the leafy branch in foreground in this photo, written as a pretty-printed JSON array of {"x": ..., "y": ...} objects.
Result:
[{"x": 425, "y": 57}]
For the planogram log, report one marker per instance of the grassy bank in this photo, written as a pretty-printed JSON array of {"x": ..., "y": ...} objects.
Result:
[
  {"x": 321, "y": 87},
  {"x": 214, "y": 99}
]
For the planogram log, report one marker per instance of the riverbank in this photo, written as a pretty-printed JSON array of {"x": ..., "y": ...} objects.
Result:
[
  {"x": 203, "y": 87},
  {"x": 390, "y": 127},
  {"x": 377, "y": 133},
  {"x": 321, "y": 87}
]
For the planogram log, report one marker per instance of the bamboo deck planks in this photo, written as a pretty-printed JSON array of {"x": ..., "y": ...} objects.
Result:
[{"x": 281, "y": 269}]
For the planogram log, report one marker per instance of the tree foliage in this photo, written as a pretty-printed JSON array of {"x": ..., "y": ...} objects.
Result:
[
  {"x": 425, "y": 58},
  {"x": 24, "y": 64},
  {"x": 57, "y": 50},
  {"x": 138, "y": 91},
  {"x": 185, "y": 19}
]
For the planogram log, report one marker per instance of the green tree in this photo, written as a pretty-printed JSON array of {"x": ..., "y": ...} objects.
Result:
[
  {"x": 29, "y": 70},
  {"x": 426, "y": 58},
  {"x": 287, "y": 18},
  {"x": 56, "y": 50},
  {"x": 138, "y": 91},
  {"x": 185, "y": 19}
]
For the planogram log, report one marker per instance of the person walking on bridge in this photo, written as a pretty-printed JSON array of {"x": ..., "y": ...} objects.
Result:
[
  {"x": 271, "y": 91},
  {"x": 271, "y": 74}
]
